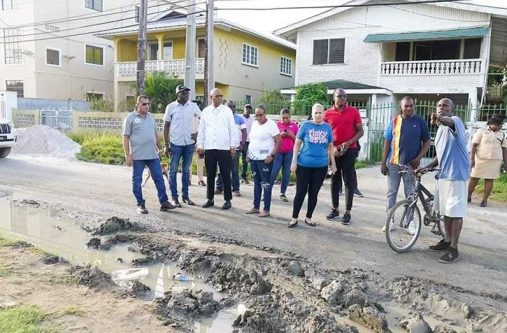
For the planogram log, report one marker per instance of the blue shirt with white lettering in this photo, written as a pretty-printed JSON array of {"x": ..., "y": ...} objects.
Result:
[{"x": 316, "y": 138}]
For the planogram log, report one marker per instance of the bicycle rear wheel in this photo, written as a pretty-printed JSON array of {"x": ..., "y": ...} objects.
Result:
[{"x": 403, "y": 225}]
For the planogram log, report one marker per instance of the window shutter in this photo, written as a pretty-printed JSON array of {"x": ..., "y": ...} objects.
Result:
[
  {"x": 320, "y": 51},
  {"x": 337, "y": 51}
]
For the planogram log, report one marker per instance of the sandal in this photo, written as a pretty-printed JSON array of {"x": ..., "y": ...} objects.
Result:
[
  {"x": 310, "y": 223},
  {"x": 292, "y": 223}
]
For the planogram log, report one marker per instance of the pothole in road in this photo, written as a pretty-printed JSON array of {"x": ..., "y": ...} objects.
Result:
[
  {"x": 47, "y": 229},
  {"x": 225, "y": 286}
]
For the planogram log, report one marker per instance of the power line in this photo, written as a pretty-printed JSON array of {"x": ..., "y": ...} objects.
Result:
[
  {"x": 112, "y": 11},
  {"x": 88, "y": 32},
  {"x": 94, "y": 24},
  {"x": 341, "y": 6}
]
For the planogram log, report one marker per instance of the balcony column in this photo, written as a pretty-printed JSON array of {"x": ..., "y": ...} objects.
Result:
[
  {"x": 474, "y": 104},
  {"x": 160, "y": 52},
  {"x": 116, "y": 73}
]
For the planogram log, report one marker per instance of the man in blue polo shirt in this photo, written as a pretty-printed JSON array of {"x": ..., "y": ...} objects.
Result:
[
  {"x": 178, "y": 121},
  {"x": 407, "y": 139},
  {"x": 454, "y": 162}
]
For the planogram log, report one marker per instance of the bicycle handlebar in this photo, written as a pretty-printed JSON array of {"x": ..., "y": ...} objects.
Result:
[{"x": 419, "y": 172}]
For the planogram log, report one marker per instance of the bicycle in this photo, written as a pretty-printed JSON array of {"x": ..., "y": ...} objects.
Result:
[{"x": 406, "y": 211}]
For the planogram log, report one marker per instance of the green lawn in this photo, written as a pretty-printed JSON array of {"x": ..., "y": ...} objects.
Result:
[
  {"x": 22, "y": 319},
  {"x": 499, "y": 192}
]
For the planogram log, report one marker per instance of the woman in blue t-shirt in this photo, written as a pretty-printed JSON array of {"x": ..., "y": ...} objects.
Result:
[{"x": 312, "y": 151}]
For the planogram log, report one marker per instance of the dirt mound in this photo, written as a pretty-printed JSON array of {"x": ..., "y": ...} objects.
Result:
[
  {"x": 45, "y": 140},
  {"x": 91, "y": 276},
  {"x": 115, "y": 224}
]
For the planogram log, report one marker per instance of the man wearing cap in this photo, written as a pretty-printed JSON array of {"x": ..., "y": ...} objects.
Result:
[
  {"x": 217, "y": 139},
  {"x": 180, "y": 114}
]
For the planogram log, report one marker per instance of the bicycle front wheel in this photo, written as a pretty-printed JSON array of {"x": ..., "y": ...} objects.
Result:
[{"x": 403, "y": 225}]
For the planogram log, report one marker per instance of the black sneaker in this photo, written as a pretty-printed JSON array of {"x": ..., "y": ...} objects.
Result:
[
  {"x": 440, "y": 246},
  {"x": 141, "y": 209},
  {"x": 333, "y": 215},
  {"x": 165, "y": 206},
  {"x": 346, "y": 219},
  {"x": 284, "y": 198},
  {"x": 219, "y": 191},
  {"x": 450, "y": 256},
  {"x": 358, "y": 193}
]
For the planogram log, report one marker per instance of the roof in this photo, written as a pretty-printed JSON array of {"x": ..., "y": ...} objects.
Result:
[
  {"x": 427, "y": 35},
  {"x": 495, "y": 11},
  {"x": 170, "y": 21}
]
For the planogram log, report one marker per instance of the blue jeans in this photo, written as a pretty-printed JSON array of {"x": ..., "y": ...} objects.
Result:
[
  {"x": 234, "y": 177},
  {"x": 261, "y": 173},
  {"x": 283, "y": 161},
  {"x": 244, "y": 154},
  {"x": 156, "y": 175},
  {"x": 393, "y": 183},
  {"x": 178, "y": 153}
]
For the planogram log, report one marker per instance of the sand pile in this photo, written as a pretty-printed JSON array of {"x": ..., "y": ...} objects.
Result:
[{"x": 45, "y": 140}]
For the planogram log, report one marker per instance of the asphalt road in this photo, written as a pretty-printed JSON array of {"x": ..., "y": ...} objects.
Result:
[{"x": 102, "y": 190}]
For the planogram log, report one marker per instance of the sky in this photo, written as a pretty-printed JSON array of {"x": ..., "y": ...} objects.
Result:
[{"x": 268, "y": 21}]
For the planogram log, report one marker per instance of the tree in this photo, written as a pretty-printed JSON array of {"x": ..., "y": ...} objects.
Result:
[
  {"x": 161, "y": 89},
  {"x": 309, "y": 94}
]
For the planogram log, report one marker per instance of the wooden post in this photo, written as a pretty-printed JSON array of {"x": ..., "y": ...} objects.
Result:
[{"x": 141, "y": 47}]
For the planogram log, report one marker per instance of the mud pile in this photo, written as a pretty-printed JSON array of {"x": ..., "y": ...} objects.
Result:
[{"x": 45, "y": 140}]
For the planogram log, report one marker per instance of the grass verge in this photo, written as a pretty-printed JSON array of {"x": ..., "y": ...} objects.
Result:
[
  {"x": 22, "y": 319},
  {"x": 499, "y": 192}
]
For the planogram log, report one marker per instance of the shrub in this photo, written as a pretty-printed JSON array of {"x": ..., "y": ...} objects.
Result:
[{"x": 104, "y": 148}]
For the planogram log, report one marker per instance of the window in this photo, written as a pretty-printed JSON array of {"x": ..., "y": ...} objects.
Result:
[
  {"x": 94, "y": 55},
  {"x": 93, "y": 96},
  {"x": 402, "y": 51},
  {"x": 472, "y": 48},
  {"x": 94, "y": 4},
  {"x": 250, "y": 55},
  {"x": 329, "y": 51},
  {"x": 15, "y": 85},
  {"x": 136, "y": 14},
  {"x": 52, "y": 57},
  {"x": 12, "y": 48},
  {"x": 167, "y": 51},
  {"x": 5, "y": 4},
  {"x": 285, "y": 66},
  {"x": 248, "y": 99},
  {"x": 201, "y": 48}
]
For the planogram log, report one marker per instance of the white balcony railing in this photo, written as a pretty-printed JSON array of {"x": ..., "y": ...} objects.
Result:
[
  {"x": 433, "y": 67},
  {"x": 176, "y": 67}
]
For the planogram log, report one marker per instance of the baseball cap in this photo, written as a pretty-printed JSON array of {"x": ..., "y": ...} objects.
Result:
[{"x": 181, "y": 88}]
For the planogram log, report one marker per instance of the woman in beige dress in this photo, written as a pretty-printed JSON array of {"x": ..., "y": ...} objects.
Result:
[{"x": 489, "y": 152}]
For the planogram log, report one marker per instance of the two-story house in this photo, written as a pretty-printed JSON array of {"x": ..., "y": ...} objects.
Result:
[
  {"x": 424, "y": 50},
  {"x": 246, "y": 63},
  {"x": 48, "y": 48}
]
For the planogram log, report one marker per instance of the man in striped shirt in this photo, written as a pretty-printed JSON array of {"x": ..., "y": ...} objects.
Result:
[{"x": 407, "y": 139}]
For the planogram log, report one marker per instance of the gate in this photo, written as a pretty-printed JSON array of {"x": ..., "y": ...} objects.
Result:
[{"x": 58, "y": 119}]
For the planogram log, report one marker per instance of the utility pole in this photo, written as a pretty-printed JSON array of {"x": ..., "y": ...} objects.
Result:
[
  {"x": 141, "y": 46},
  {"x": 190, "y": 50},
  {"x": 210, "y": 23}
]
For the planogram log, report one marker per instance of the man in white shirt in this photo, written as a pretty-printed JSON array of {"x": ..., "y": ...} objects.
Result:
[
  {"x": 264, "y": 143},
  {"x": 180, "y": 114},
  {"x": 217, "y": 140}
]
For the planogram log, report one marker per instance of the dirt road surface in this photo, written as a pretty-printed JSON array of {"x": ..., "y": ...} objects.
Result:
[{"x": 105, "y": 191}]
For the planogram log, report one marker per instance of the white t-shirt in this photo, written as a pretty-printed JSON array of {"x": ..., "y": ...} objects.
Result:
[{"x": 261, "y": 139}]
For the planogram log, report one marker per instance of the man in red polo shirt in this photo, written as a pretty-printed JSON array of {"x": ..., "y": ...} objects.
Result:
[{"x": 347, "y": 128}]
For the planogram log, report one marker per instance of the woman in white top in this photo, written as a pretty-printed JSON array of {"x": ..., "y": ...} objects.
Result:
[{"x": 264, "y": 143}]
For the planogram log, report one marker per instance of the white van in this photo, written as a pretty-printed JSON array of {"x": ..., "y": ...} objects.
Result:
[{"x": 8, "y": 137}]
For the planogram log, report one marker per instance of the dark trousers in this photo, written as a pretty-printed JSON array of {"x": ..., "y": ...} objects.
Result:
[
  {"x": 244, "y": 161},
  {"x": 308, "y": 180},
  {"x": 224, "y": 160},
  {"x": 235, "y": 174},
  {"x": 345, "y": 165}
]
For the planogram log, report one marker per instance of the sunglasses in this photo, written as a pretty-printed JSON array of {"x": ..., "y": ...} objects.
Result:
[
  {"x": 217, "y": 96},
  {"x": 144, "y": 104},
  {"x": 260, "y": 115},
  {"x": 341, "y": 96}
]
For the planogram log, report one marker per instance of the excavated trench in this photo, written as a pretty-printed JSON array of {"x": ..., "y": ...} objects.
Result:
[{"x": 202, "y": 284}]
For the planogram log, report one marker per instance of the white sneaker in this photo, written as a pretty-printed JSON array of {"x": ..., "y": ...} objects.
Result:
[{"x": 412, "y": 228}]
